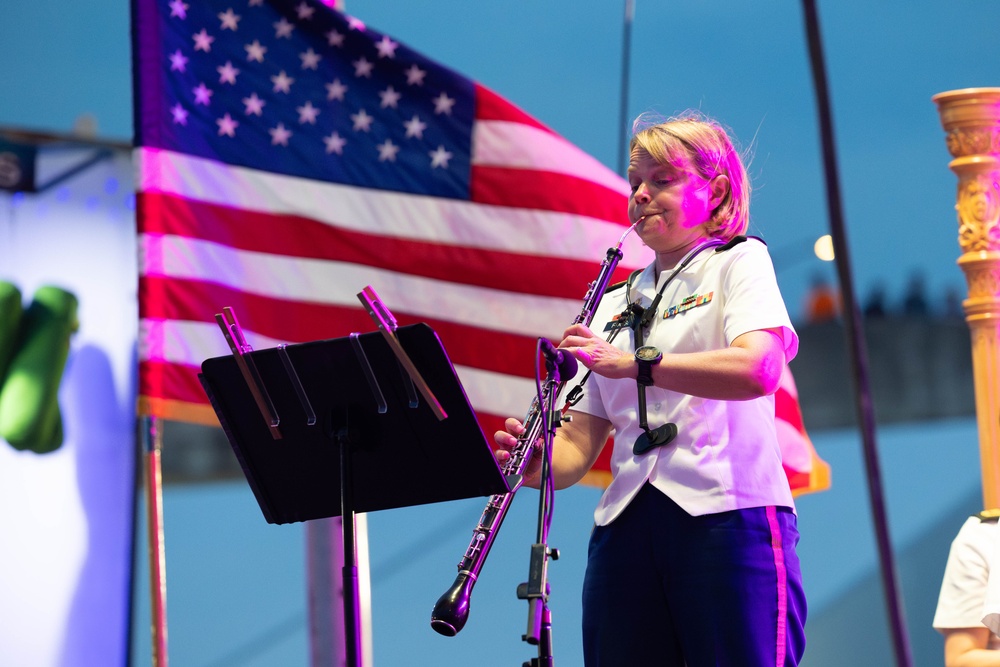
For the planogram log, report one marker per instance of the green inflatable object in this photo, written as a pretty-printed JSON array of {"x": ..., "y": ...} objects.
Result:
[
  {"x": 11, "y": 312},
  {"x": 29, "y": 408}
]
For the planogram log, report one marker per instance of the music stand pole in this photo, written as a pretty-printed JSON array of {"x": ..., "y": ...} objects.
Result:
[
  {"x": 536, "y": 590},
  {"x": 352, "y": 604}
]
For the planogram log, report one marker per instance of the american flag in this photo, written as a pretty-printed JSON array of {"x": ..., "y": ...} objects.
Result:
[{"x": 289, "y": 155}]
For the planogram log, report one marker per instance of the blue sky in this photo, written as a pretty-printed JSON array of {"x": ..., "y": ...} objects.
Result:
[{"x": 744, "y": 63}]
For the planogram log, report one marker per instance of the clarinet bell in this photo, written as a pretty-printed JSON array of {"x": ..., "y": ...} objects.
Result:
[{"x": 452, "y": 609}]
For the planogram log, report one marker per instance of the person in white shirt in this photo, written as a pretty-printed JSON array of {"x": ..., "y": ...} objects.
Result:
[
  {"x": 692, "y": 560},
  {"x": 962, "y": 602}
]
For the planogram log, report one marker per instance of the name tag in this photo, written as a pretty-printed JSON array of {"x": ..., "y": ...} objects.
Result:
[{"x": 627, "y": 319}]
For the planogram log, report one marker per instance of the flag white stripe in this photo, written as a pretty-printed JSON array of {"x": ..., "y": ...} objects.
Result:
[
  {"x": 338, "y": 283},
  {"x": 406, "y": 216},
  {"x": 509, "y": 144},
  {"x": 191, "y": 343}
]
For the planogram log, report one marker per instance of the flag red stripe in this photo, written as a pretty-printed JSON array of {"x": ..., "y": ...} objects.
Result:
[
  {"x": 295, "y": 321},
  {"x": 181, "y": 383},
  {"x": 175, "y": 381},
  {"x": 297, "y": 236},
  {"x": 786, "y": 408},
  {"x": 800, "y": 482},
  {"x": 603, "y": 461},
  {"x": 546, "y": 191},
  {"x": 490, "y": 106}
]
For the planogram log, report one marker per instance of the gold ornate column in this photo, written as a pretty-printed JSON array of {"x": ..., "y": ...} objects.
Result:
[{"x": 971, "y": 118}]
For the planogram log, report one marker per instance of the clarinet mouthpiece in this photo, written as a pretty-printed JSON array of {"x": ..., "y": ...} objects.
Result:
[{"x": 452, "y": 609}]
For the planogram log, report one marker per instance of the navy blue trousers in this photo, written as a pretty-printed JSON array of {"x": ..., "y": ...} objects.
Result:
[{"x": 667, "y": 589}]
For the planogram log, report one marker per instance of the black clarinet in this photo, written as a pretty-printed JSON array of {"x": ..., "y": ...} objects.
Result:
[{"x": 452, "y": 609}]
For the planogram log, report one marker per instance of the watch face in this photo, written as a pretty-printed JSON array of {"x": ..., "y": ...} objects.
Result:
[{"x": 647, "y": 353}]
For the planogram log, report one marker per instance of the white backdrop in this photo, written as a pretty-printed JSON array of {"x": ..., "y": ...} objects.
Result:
[{"x": 66, "y": 517}]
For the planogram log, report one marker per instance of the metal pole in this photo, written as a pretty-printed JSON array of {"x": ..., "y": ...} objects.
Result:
[
  {"x": 626, "y": 66},
  {"x": 152, "y": 445},
  {"x": 856, "y": 341},
  {"x": 325, "y": 562}
]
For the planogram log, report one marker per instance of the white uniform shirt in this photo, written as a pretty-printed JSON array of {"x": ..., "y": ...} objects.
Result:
[
  {"x": 964, "y": 585},
  {"x": 987, "y": 549},
  {"x": 726, "y": 454}
]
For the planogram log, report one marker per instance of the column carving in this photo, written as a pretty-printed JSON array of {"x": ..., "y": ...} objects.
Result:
[{"x": 971, "y": 120}]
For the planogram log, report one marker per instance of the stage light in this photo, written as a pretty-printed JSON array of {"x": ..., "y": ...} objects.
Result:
[{"x": 824, "y": 248}]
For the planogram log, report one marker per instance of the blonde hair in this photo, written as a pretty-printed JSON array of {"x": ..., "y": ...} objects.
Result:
[{"x": 706, "y": 144}]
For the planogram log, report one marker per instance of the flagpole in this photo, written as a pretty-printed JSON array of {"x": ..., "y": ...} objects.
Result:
[
  {"x": 856, "y": 340},
  {"x": 152, "y": 446},
  {"x": 626, "y": 66}
]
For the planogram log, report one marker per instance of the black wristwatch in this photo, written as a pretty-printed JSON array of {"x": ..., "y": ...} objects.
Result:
[{"x": 646, "y": 356}]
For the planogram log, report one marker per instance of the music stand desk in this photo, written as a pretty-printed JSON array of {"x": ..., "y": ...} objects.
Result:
[{"x": 400, "y": 458}]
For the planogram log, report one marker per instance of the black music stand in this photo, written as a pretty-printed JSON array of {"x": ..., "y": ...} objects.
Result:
[{"x": 347, "y": 432}]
